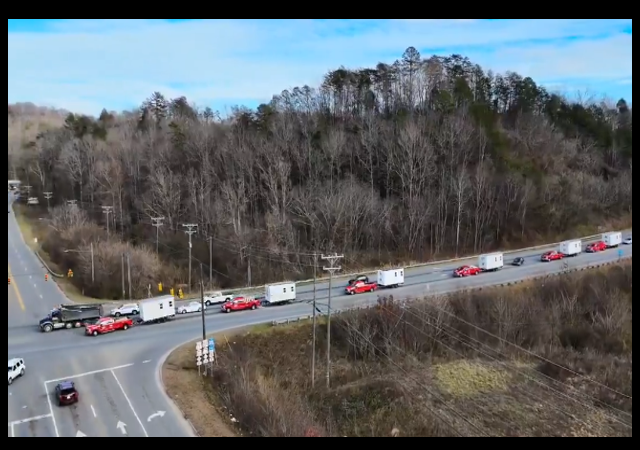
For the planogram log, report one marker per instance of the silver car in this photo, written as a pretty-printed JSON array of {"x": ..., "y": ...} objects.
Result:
[{"x": 192, "y": 307}]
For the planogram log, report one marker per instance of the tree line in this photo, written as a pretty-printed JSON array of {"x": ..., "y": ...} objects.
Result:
[{"x": 417, "y": 159}]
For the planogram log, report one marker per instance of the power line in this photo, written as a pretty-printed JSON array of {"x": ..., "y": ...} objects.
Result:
[
  {"x": 191, "y": 229},
  {"x": 332, "y": 268}
]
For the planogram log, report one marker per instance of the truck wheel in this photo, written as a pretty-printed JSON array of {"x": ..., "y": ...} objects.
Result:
[
  {"x": 78, "y": 325},
  {"x": 22, "y": 373},
  {"x": 10, "y": 381},
  {"x": 352, "y": 293},
  {"x": 68, "y": 326},
  {"x": 208, "y": 303},
  {"x": 228, "y": 311},
  {"x": 254, "y": 307},
  {"x": 95, "y": 333},
  {"x": 48, "y": 328},
  {"x": 117, "y": 314},
  {"x": 135, "y": 313},
  {"x": 125, "y": 328}
]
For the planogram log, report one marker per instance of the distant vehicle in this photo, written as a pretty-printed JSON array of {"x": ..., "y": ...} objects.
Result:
[
  {"x": 66, "y": 393},
  {"x": 551, "y": 256},
  {"x": 130, "y": 309},
  {"x": 466, "y": 271},
  {"x": 360, "y": 287},
  {"x": 491, "y": 262},
  {"x": 216, "y": 298},
  {"x": 281, "y": 293},
  {"x": 363, "y": 278},
  {"x": 519, "y": 261},
  {"x": 612, "y": 240},
  {"x": 157, "y": 309},
  {"x": 391, "y": 278},
  {"x": 571, "y": 248},
  {"x": 596, "y": 247},
  {"x": 241, "y": 304},
  {"x": 108, "y": 325},
  {"x": 16, "y": 369},
  {"x": 70, "y": 316},
  {"x": 193, "y": 307},
  {"x": 627, "y": 241}
]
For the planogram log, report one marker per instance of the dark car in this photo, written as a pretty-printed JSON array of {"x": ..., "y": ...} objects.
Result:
[
  {"x": 362, "y": 278},
  {"x": 518, "y": 261},
  {"x": 66, "y": 393}
]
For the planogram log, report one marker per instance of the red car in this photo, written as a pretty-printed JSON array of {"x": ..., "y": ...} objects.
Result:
[
  {"x": 466, "y": 271},
  {"x": 596, "y": 247},
  {"x": 66, "y": 393},
  {"x": 551, "y": 256},
  {"x": 240, "y": 304},
  {"x": 108, "y": 325},
  {"x": 360, "y": 287}
]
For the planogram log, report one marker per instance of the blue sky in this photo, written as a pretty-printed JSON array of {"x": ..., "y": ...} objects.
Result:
[{"x": 84, "y": 65}]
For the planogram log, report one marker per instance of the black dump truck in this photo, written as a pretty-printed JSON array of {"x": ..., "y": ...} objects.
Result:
[{"x": 70, "y": 316}]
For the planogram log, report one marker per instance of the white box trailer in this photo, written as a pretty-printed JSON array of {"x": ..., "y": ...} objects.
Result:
[
  {"x": 612, "y": 239},
  {"x": 391, "y": 278},
  {"x": 280, "y": 293},
  {"x": 491, "y": 262},
  {"x": 571, "y": 248},
  {"x": 157, "y": 309}
]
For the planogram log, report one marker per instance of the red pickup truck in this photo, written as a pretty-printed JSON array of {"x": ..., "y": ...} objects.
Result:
[
  {"x": 360, "y": 287},
  {"x": 108, "y": 325},
  {"x": 240, "y": 304}
]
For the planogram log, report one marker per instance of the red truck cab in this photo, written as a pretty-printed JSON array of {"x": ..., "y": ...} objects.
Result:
[
  {"x": 240, "y": 304},
  {"x": 596, "y": 247},
  {"x": 466, "y": 271},
  {"x": 551, "y": 256},
  {"x": 108, "y": 325},
  {"x": 360, "y": 287}
]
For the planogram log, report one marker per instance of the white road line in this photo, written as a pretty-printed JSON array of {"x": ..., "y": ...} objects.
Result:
[
  {"x": 146, "y": 361},
  {"x": 130, "y": 404},
  {"x": 93, "y": 411},
  {"x": 55, "y": 425},
  {"x": 93, "y": 372},
  {"x": 30, "y": 419}
]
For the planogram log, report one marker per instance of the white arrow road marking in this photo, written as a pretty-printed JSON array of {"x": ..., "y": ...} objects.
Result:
[
  {"x": 80, "y": 434},
  {"x": 147, "y": 361},
  {"x": 154, "y": 415},
  {"x": 122, "y": 427}
]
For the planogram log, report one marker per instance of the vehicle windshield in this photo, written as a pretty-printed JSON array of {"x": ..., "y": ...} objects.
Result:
[{"x": 67, "y": 391}]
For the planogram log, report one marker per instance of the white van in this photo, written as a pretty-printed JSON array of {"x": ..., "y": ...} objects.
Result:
[{"x": 16, "y": 369}]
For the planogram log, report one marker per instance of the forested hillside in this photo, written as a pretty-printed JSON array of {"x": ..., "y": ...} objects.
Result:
[{"x": 412, "y": 160}]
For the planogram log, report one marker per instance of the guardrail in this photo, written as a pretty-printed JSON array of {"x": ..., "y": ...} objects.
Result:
[{"x": 403, "y": 302}]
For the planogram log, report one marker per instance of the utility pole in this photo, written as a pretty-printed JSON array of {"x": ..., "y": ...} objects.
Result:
[
  {"x": 191, "y": 229},
  {"x": 315, "y": 321},
  {"x": 204, "y": 325},
  {"x": 332, "y": 268},
  {"x": 210, "y": 239},
  {"x": 124, "y": 294},
  {"x": 157, "y": 222},
  {"x": 48, "y": 196},
  {"x": 93, "y": 265},
  {"x": 129, "y": 275},
  {"x": 244, "y": 253},
  {"x": 107, "y": 210}
]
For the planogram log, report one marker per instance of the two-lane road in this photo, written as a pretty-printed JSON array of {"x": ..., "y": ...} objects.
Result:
[{"x": 118, "y": 374}]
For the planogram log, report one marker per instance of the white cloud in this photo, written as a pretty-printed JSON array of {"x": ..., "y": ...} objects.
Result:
[{"x": 86, "y": 64}]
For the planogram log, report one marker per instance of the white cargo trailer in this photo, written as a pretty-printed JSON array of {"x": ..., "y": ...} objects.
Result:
[
  {"x": 491, "y": 262},
  {"x": 280, "y": 293},
  {"x": 571, "y": 248},
  {"x": 612, "y": 239},
  {"x": 157, "y": 309},
  {"x": 390, "y": 278}
]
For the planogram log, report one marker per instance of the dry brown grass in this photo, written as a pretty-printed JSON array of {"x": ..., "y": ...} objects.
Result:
[{"x": 416, "y": 371}]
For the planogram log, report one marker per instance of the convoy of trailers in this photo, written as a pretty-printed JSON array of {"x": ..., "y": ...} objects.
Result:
[{"x": 162, "y": 309}]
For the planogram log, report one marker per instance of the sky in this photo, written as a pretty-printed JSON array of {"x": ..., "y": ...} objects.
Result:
[{"x": 85, "y": 65}]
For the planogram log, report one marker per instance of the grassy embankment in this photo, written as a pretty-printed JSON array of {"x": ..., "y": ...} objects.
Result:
[
  {"x": 527, "y": 361},
  {"x": 32, "y": 227}
]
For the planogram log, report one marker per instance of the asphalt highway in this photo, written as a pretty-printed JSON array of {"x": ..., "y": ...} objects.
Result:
[{"x": 118, "y": 374}]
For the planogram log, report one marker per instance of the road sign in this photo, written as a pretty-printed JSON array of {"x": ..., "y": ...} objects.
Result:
[
  {"x": 620, "y": 253},
  {"x": 199, "y": 353},
  {"x": 198, "y": 362},
  {"x": 212, "y": 345},
  {"x": 199, "y": 345},
  {"x": 204, "y": 343},
  {"x": 205, "y": 359}
]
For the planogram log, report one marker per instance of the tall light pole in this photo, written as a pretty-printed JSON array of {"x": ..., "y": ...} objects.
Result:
[
  {"x": 315, "y": 321},
  {"x": 157, "y": 222},
  {"x": 191, "y": 229},
  {"x": 332, "y": 268},
  {"x": 107, "y": 210}
]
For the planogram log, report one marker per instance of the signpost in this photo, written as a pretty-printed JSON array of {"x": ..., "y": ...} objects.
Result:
[{"x": 205, "y": 354}]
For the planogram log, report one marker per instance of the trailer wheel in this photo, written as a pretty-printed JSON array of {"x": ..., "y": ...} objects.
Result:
[
  {"x": 68, "y": 326},
  {"x": 78, "y": 325}
]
